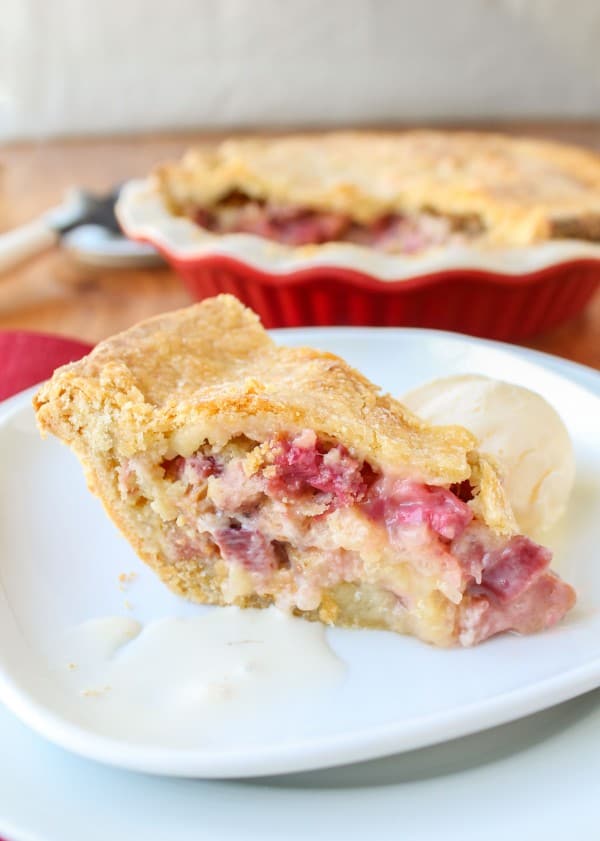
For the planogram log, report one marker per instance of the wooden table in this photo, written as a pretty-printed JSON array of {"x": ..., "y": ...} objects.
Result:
[{"x": 52, "y": 293}]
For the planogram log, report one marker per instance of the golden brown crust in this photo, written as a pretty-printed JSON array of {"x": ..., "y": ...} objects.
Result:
[
  {"x": 211, "y": 372},
  {"x": 521, "y": 189}
]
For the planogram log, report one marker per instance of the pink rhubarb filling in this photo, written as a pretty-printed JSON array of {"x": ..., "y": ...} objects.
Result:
[
  {"x": 506, "y": 580},
  {"x": 296, "y": 226},
  {"x": 305, "y": 463}
]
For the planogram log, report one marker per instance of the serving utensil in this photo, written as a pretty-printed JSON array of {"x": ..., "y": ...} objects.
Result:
[{"x": 85, "y": 224}]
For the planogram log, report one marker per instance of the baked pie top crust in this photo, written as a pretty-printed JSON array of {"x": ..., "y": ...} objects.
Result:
[
  {"x": 521, "y": 190},
  {"x": 210, "y": 372}
]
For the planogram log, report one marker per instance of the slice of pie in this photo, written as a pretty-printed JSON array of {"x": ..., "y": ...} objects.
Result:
[
  {"x": 247, "y": 473},
  {"x": 400, "y": 193}
]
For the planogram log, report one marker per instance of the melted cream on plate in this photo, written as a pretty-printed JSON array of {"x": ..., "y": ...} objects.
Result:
[{"x": 179, "y": 681}]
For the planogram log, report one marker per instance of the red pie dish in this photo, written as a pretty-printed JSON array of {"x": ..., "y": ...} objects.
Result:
[{"x": 482, "y": 234}]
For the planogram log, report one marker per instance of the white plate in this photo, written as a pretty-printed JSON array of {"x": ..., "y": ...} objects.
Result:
[{"x": 60, "y": 557}]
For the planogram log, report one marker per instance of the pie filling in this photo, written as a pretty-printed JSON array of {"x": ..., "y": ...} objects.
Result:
[
  {"x": 295, "y": 226},
  {"x": 295, "y": 520},
  {"x": 394, "y": 233}
]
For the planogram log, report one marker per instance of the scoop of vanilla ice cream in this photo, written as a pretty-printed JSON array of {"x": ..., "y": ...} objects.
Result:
[{"x": 519, "y": 429}]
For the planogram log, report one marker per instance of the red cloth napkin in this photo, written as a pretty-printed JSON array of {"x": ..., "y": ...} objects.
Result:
[{"x": 28, "y": 358}]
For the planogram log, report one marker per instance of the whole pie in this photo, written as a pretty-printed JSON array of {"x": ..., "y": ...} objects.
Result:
[
  {"x": 247, "y": 473},
  {"x": 401, "y": 193}
]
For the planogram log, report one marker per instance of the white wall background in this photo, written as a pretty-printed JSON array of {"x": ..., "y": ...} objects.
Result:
[{"x": 89, "y": 66}]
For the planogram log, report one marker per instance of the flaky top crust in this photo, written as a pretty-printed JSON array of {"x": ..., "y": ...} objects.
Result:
[
  {"x": 518, "y": 187},
  {"x": 211, "y": 372}
]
